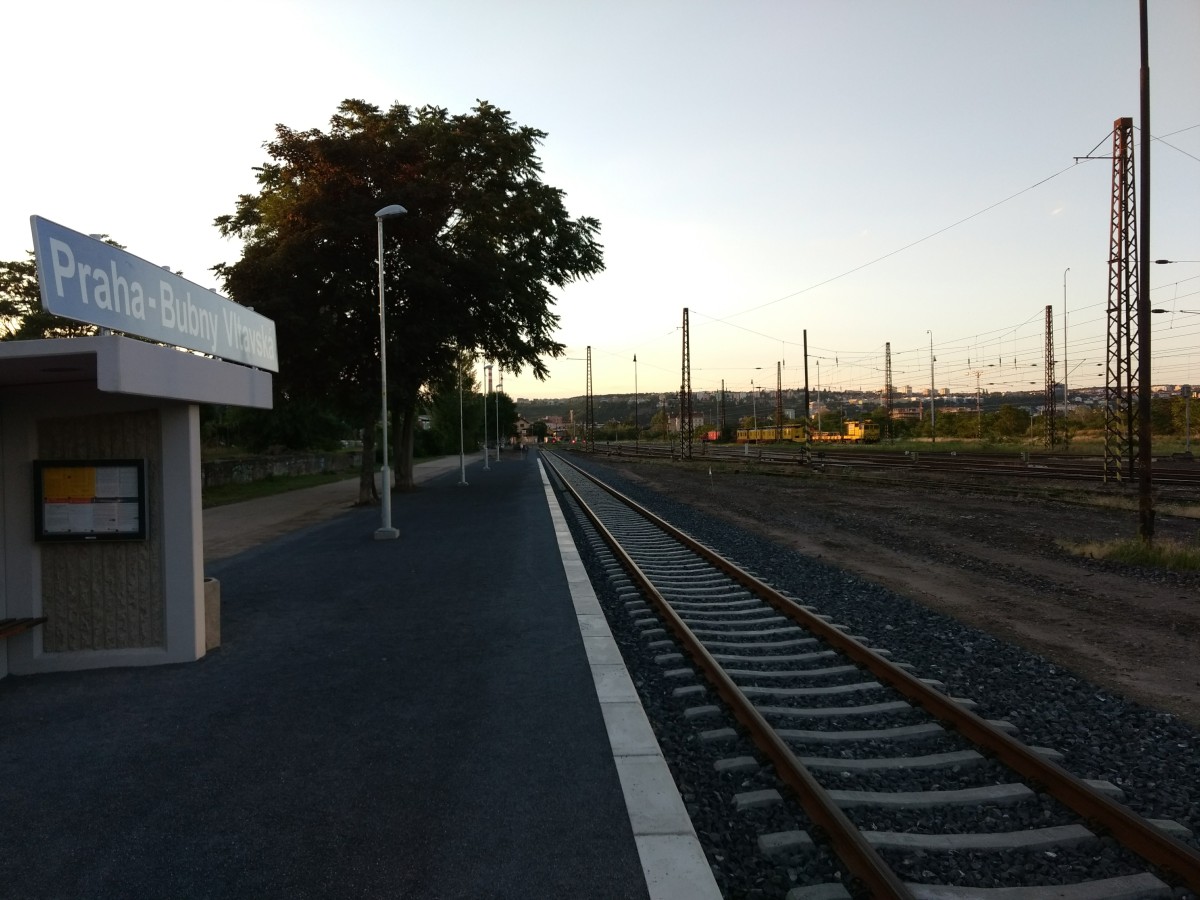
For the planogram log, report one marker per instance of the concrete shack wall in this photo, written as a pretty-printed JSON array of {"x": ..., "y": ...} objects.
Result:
[{"x": 109, "y": 603}]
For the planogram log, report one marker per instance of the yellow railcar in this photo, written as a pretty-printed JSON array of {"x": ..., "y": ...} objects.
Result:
[{"x": 853, "y": 432}]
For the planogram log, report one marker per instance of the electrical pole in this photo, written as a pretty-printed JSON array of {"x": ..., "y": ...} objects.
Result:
[
  {"x": 685, "y": 395},
  {"x": 778, "y": 402},
  {"x": 1049, "y": 412},
  {"x": 1145, "y": 479},
  {"x": 887, "y": 389},
  {"x": 806, "y": 411},
  {"x": 932, "y": 393},
  {"x": 589, "y": 410}
]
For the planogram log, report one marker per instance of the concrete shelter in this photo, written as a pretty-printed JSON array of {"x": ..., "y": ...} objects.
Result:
[{"x": 108, "y": 603}]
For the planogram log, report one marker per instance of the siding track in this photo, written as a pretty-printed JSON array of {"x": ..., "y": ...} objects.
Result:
[{"x": 884, "y": 764}]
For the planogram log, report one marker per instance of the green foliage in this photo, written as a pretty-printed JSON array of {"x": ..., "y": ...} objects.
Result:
[
  {"x": 22, "y": 317},
  {"x": 298, "y": 425},
  {"x": 658, "y": 424},
  {"x": 1168, "y": 415},
  {"x": 443, "y": 408},
  {"x": 266, "y": 487},
  {"x": 469, "y": 269},
  {"x": 1158, "y": 554},
  {"x": 1007, "y": 422}
]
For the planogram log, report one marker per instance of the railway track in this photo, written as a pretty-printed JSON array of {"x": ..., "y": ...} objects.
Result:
[
  {"x": 1172, "y": 473},
  {"x": 914, "y": 794}
]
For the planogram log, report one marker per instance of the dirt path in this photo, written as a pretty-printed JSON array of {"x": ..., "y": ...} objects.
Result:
[{"x": 989, "y": 559}]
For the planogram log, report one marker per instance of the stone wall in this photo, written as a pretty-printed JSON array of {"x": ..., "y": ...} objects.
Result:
[{"x": 243, "y": 470}]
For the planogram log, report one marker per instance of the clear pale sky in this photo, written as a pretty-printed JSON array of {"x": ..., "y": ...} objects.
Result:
[{"x": 870, "y": 171}]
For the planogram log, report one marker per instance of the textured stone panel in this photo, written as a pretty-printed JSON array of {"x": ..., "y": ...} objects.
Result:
[{"x": 105, "y": 595}]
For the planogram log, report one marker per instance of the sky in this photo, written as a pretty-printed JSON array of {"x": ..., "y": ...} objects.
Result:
[{"x": 856, "y": 173}]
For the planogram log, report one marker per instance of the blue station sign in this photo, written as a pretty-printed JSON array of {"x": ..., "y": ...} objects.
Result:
[{"x": 90, "y": 281}]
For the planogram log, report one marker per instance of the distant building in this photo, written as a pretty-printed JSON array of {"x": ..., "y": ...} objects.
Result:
[{"x": 697, "y": 421}]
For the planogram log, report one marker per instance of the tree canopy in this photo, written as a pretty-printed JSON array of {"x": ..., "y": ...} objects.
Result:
[
  {"x": 22, "y": 317},
  {"x": 471, "y": 267}
]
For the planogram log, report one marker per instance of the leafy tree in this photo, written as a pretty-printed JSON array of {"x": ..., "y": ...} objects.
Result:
[
  {"x": 1162, "y": 415},
  {"x": 299, "y": 425},
  {"x": 469, "y": 269},
  {"x": 22, "y": 317},
  {"x": 658, "y": 424},
  {"x": 1008, "y": 421},
  {"x": 507, "y": 427},
  {"x": 445, "y": 410}
]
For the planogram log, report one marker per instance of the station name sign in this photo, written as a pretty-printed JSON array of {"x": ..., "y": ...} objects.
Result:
[{"x": 90, "y": 281}]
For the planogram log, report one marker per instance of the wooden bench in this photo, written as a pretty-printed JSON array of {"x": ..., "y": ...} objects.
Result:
[{"x": 16, "y": 626}]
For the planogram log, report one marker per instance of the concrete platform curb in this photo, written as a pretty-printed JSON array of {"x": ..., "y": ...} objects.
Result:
[{"x": 673, "y": 861}]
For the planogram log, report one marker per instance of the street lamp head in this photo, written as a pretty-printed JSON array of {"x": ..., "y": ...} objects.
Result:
[{"x": 390, "y": 212}]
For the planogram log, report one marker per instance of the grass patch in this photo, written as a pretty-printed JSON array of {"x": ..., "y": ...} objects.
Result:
[
  {"x": 1160, "y": 554},
  {"x": 269, "y": 486}
]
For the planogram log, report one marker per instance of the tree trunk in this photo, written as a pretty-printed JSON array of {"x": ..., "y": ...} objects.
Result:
[
  {"x": 367, "y": 494},
  {"x": 406, "y": 425}
]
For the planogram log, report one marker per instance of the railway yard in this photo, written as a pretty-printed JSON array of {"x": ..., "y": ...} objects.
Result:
[
  {"x": 989, "y": 553},
  {"x": 960, "y": 580}
]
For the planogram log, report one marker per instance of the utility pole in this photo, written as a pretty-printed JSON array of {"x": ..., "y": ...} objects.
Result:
[
  {"x": 806, "y": 411},
  {"x": 1051, "y": 393},
  {"x": 1120, "y": 383},
  {"x": 685, "y": 395},
  {"x": 887, "y": 389},
  {"x": 589, "y": 410},
  {"x": 1145, "y": 478},
  {"x": 932, "y": 393},
  {"x": 778, "y": 402},
  {"x": 978, "y": 407}
]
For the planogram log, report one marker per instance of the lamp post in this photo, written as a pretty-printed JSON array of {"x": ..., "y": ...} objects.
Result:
[
  {"x": 636, "y": 430},
  {"x": 487, "y": 389},
  {"x": 499, "y": 388},
  {"x": 462, "y": 457},
  {"x": 385, "y": 531}
]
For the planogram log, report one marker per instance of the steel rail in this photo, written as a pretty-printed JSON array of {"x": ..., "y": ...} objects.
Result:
[
  {"x": 1131, "y": 830},
  {"x": 1052, "y": 468},
  {"x": 859, "y": 857}
]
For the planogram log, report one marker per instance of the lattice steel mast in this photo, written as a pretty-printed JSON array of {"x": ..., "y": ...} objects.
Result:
[
  {"x": 887, "y": 390},
  {"x": 778, "y": 401},
  {"x": 1049, "y": 413},
  {"x": 589, "y": 410},
  {"x": 1120, "y": 384},
  {"x": 685, "y": 394}
]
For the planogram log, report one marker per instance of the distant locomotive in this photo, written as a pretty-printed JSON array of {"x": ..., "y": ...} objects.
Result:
[{"x": 853, "y": 432}]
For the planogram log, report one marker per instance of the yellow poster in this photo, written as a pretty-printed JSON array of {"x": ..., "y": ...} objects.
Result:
[{"x": 64, "y": 484}]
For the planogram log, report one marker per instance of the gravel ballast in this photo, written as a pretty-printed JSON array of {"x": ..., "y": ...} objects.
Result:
[{"x": 1152, "y": 756}]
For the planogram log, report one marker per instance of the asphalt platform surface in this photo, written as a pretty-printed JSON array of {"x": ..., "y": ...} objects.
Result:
[{"x": 410, "y": 718}]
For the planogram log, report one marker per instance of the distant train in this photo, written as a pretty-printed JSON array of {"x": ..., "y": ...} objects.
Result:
[{"x": 853, "y": 432}]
